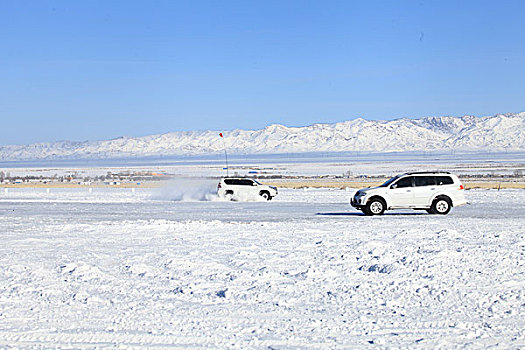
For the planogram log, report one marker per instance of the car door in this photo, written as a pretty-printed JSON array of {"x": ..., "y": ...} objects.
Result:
[
  {"x": 240, "y": 188},
  {"x": 401, "y": 194},
  {"x": 255, "y": 188},
  {"x": 250, "y": 187},
  {"x": 424, "y": 189}
]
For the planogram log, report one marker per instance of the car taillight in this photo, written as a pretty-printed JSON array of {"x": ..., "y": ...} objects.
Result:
[
  {"x": 461, "y": 187},
  {"x": 219, "y": 186}
]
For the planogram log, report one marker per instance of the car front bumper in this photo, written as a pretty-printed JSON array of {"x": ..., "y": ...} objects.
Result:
[{"x": 357, "y": 203}]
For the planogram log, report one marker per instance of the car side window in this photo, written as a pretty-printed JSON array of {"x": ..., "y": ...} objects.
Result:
[
  {"x": 404, "y": 182},
  {"x": 246, "y": 182},
  {"x": 229, "y": 182},
  {"x": 444, "y": 180},
  {"x": 425, "y": 181}
]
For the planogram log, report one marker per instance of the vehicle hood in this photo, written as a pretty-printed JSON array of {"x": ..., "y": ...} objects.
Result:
[{"x": 369, "y": 190}]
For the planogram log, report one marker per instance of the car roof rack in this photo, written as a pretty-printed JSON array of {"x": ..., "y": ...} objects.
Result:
[{"x": 427, "y": 172}]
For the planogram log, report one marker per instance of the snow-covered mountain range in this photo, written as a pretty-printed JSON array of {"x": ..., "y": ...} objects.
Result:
[{"x": 502, "y": 132}]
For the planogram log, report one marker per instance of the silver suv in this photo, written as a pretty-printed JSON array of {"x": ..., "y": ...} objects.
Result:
[
  {"x": 233, "y": 188},
  {"x": 435, "y": 192}
]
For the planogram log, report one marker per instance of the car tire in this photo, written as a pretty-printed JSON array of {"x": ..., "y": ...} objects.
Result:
[
  {"x": 265, "y": 195},
  {"x": 430, "y": 211},
  {"x": 228, "y": 196},
  {"x": 375, "y": 206},
  {"x": 441, "y": 206}
]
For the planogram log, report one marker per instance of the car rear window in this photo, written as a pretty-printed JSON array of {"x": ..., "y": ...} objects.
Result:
[
  {"x": 425, "y": 180},
  {"x": 444, "y": 180}
]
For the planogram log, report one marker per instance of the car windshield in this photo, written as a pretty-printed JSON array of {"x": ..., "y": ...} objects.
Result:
[{"x": 389, "y": 181}]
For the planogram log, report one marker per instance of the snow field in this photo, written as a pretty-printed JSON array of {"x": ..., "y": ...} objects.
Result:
[{"x": 115, "y": 268}]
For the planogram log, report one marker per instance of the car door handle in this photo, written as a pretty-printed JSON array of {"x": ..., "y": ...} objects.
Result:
[
  {"x": 433, "y": 189},
  {"x": 409, "y": 190}
]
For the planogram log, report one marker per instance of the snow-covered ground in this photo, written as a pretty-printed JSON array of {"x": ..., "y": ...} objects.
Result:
[
  {"x": 114, "y": 267},
  {"x": 315, "y": 165}
]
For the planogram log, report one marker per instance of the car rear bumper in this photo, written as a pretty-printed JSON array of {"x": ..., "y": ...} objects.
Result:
[{"x": 460, "y": 202}]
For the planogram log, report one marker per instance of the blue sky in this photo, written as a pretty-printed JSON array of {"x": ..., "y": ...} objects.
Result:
[{"x": 83, "y": 70}]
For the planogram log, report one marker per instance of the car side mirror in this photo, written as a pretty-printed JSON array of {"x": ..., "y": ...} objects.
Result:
[{"x": 393, "y": 186}]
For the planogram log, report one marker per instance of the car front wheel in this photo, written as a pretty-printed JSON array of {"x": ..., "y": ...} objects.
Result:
[
  {"x": 266, "y": 195},
  {"x": 375, "y": 207}
]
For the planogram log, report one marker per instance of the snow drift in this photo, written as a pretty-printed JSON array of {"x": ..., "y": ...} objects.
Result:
[{"x": 139, "y": 273}]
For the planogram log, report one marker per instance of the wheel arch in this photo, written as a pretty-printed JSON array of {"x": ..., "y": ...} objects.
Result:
[
  {"x": 263, "y": 192},
  {"x": 442, "y": 196},
  {"x": 381, "y": 198}
]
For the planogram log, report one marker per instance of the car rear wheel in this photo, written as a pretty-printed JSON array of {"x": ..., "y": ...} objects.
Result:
[
  {"x": 228, "y": 196},
  {"x": 375, "y": 207},
  {"x": 441, "y": 206}
]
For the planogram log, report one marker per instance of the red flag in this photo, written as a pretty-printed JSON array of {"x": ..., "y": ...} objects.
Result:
[{"x": 220, "y": 134}]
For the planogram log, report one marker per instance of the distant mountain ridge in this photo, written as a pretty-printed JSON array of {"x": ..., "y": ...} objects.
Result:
[{"x": 502, "y": 132}]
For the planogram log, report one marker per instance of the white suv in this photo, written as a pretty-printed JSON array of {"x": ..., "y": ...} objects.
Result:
[
  {"x": 435, "y": 192},
  {"x": 244, "y": 189}
]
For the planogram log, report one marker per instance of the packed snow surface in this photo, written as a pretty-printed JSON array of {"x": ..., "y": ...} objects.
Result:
[
  {"x": 113, "y": 267},
  {"x": 502, "y": 132}
]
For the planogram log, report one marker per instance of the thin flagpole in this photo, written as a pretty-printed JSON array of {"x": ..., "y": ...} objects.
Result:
[{"x": 225, "y": 155}]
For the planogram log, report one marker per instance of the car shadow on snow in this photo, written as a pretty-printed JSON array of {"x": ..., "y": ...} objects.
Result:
[
  {"x": 340, "y": 214},
  {"x": 362, "y": 214}
]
